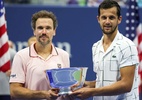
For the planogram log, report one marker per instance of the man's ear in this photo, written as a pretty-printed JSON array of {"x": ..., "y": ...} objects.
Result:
[
  {"x": 54, "y": 33},
  {"x": 98, "y": 18},
  {"x": 34, "y": 33},
  {"x": 119, "y": 19}
]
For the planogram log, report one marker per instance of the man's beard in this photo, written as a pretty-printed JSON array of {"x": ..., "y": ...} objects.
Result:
[
  {"x": 110, "y": 32},
  {"x": 44, "y": 43}
]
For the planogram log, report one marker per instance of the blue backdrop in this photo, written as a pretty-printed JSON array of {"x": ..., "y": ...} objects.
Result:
[{"x": 77, "y": 31}]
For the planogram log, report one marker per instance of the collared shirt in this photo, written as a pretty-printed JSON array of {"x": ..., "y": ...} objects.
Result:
[
  {"x": 29, "y": 68},
  {"x": 122, "y": 52}
]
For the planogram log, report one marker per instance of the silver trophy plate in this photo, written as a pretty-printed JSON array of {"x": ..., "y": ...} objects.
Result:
[{"x": 64, "y": 78}]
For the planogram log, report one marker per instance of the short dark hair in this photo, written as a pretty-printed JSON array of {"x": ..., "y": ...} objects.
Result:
[
  {"x": 106, "y": 4},
  {"x": 44, "y": 14}
]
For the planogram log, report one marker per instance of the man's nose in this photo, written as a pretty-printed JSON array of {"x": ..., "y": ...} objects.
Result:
[
  {"x": 44, "y": 30},
  {"x": 107, "y": 20}
]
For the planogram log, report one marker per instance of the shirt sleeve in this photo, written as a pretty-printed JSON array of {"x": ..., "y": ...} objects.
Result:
[
  {"x": 17, "y": 70},
  {"x": 130, "y": 56}
]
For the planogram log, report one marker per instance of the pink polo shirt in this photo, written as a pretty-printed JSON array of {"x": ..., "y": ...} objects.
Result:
[{"x": 29, "y": 68}]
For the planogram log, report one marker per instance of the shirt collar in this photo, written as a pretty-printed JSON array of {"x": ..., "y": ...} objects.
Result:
[
  {"x": 118, "y": 37},
  {"x": 33, "y": 53}
]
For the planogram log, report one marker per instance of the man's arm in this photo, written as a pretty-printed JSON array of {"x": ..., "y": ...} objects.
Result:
[
  {"x": 18, "y": 91},
  {"x": 90, "y": 84},
  {"x": 121, "y": 86}
]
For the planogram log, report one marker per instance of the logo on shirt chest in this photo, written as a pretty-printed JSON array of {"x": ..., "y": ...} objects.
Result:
[
  {"x": 59, "y": 66},
  {"x": 113, "y": 56}
]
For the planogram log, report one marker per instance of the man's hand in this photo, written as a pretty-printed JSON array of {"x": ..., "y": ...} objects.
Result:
[
  {"x": 52, "y": 94},
  {"x": 82, "y": 93}
]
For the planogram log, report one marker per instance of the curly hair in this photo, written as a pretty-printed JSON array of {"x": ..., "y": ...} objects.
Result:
[{"x": 44, "y": 14}]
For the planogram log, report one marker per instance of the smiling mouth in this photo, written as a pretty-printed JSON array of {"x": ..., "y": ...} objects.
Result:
[
  {"x": 107, "y": 27},
  {"x": 43, "y": 37}
]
